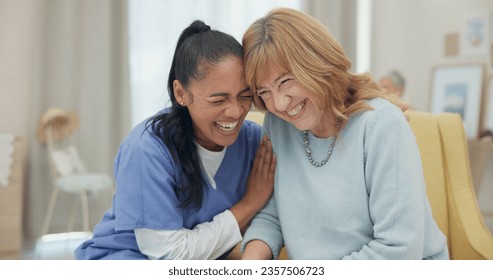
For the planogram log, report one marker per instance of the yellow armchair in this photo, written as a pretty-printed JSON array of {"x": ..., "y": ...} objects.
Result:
[
  {"x": 256, "y": 116},
  {"x": 444, "y": 155}
]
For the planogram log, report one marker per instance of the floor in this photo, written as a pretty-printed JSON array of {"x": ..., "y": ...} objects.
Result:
[{"x": 58, "y": 246}]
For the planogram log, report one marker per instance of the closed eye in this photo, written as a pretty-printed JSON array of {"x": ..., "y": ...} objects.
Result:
[
  {"x": 246, "y": 96},
  {"x": 286, "y": 82},
  {"x": 219, "y": 101},
  {"x": 264, "y": 94}
]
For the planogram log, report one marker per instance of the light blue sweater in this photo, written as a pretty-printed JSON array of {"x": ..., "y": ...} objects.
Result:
[{"x": 367, "y": 202}]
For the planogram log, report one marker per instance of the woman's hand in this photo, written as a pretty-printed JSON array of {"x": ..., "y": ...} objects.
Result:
[{"x": 260, "y": 185}]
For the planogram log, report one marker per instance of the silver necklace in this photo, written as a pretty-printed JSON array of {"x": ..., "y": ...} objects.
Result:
[{"x": 329, "y": 153}]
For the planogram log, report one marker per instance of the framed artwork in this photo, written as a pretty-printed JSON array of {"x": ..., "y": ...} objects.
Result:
[
  {"x": 458, "y": 89},
  {"x": 476, "y": 34}
]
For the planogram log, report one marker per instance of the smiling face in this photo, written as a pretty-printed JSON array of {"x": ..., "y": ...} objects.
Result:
[
  {"x": 289, "y": 100},
  {"x": 217, "y": 104}
]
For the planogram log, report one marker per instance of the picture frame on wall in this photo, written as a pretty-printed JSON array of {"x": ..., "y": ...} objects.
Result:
[
  {"x": 475, "y": 39},
  {"x": 458, "y": 89}
]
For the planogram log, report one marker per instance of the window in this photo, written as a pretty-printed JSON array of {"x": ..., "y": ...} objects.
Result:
[{"x": 363, "y": 36}]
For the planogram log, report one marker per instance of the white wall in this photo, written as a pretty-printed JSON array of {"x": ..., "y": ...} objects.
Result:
[{"x": 409, "y": 35}]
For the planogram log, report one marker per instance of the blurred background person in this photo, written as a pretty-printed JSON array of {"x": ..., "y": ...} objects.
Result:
[{"x": 393, "y": 82}]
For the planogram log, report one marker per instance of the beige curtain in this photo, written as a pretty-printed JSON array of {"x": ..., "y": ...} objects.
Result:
[
  {"x": 340, "y": 18},
  {"x": 81, "y": 64}
]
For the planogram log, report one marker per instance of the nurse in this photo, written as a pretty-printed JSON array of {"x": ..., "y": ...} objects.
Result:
[{"x": 189, "y": 179}]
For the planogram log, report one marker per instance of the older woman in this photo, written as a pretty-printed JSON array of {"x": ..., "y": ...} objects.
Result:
[{"x": 349, "y": 182}]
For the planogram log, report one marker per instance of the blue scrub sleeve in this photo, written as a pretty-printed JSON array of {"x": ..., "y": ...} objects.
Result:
[{"x": 146, "y": 179}]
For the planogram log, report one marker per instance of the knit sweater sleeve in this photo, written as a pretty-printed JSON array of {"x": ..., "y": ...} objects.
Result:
[
  {"x": 265, "y": 226},
  {"x": 396, "y": 189}
]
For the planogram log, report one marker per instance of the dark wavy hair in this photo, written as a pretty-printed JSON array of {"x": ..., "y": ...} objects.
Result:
[{"x": 198, "y": 46}]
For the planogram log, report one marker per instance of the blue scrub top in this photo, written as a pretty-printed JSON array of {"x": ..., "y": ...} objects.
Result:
[{"x": 145, "y": 197}]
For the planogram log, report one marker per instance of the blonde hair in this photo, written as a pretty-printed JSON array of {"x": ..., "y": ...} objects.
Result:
[{"x": 287, "y": 39}]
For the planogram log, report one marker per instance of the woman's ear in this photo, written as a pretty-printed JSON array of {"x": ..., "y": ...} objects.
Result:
[{"x": 181, "y": 95}]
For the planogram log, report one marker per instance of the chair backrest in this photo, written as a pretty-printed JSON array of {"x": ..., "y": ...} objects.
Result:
[
  {"x": 63, "y": 154},
  {"x": 445, "y": 159},
  {"x": 56, "y": 129},
  {"x": 425, "y": 128}
]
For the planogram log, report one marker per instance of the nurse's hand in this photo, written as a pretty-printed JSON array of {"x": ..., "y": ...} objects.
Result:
[
  {"x": 261, "y": 180},
  {"x": 260, "y": 185}
]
